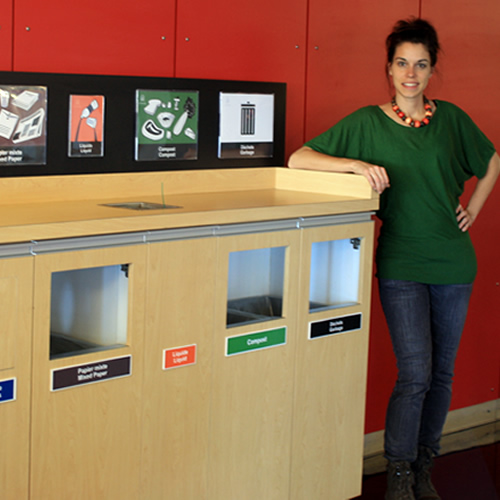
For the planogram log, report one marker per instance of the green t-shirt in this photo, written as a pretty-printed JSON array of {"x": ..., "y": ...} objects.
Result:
[{"x": 427, "y": 167}]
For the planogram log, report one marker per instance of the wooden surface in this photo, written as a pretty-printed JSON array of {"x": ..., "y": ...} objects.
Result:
[{"x": 71, "y": 206}]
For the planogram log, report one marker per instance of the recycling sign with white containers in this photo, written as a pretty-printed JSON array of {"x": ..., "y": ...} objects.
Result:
[{"x": 23, "y": 138}]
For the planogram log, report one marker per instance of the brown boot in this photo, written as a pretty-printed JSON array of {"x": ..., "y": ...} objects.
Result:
[
  {"x": 424, "y": 489},
  {"x": 400, "y": 480}
]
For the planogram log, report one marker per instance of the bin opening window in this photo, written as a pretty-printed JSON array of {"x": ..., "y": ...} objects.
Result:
[
  {"x": 89, "y": 310},
  {"x": 334, "y": 277},
  {"x": 255, "y": 285}
]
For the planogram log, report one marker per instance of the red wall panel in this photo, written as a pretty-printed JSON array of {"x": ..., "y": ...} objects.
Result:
[
  {"x": 112, "y": 37},
  {"x": 259, "y": 40},
  {"x": 346, "y": 57},
  {"x": 6, "y": 7},
  {"x": 468, "y": 76}
]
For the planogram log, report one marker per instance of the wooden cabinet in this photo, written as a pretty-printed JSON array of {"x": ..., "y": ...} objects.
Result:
[
  {"x": 239, "y": 410},
  {"x": 281, "y": 406},
  {"x": 332, "y": 354},
  {"x": 252, "y": 390},
  {"x": 176, "y": 362},
  {"x": 86, "y": 432},
  {"x": 176, "y": 397},
  {"x": 16, "y": 291}
]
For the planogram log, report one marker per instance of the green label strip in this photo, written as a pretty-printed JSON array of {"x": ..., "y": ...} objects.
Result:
[{"x": 255, "y": 341}]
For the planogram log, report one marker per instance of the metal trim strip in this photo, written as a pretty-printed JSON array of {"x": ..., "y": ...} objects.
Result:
[{"x": 143, "y": 237}]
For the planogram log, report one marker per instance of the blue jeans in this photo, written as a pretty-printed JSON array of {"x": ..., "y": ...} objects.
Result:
[{"x": 425, "y": 323}]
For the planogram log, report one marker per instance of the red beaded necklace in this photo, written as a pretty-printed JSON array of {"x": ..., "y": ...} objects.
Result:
[{"x": 409, "y": 120}]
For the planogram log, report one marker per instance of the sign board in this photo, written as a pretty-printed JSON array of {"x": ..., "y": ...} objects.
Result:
[
  {"x": 166, "y": 125},
  {"x": 7, "y": 390},
  {"x": 86, "y": 126},
  {"x": 255, "y": 341},
  {"x": 64, "y": 378},
  {"x": 23, "y": 128},
  {"x": 332, "y": 326},
  {"x": 246, "y": 125},
  {"x": 179, "y": 356}
]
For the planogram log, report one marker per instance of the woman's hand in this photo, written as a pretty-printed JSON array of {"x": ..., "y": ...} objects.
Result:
[
  {"x": 376, "y": 175},
  {"x": 484, "y": 186},
  {"x": 464, "y": 218}
]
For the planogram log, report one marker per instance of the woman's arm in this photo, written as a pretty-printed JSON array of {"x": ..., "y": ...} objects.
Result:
[
  {"x": 308, "y": 159},
  {"x": 484, "y": 186}
]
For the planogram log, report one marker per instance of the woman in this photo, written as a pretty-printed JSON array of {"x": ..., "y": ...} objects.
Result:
[{"x": 417, "y": 153}]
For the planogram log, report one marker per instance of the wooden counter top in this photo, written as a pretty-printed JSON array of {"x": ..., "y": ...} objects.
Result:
[{"x": 40, "y": 208}]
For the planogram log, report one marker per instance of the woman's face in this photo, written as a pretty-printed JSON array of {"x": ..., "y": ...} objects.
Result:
[{"x": 410, "y": 69}]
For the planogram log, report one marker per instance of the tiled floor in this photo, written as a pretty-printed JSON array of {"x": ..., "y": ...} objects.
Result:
[{"x": 468, "y": 475}]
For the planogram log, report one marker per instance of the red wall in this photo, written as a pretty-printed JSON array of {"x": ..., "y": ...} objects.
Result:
[
  {"x": 470, "y": 73},
  {"x": 101, "y": 37},
  {"x": 331, "y": 55},
  {"x": 6, "y": 21}
]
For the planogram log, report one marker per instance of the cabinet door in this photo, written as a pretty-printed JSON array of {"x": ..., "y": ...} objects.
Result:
[
  {"x": 254, "y": 356},
  {"x": 178, "y": 369},
  {"x": 87, "y": 381},
  {"x": 330, "y": 381},
  {"x": 16, "y": 295},
  {"x": 112, "y": 37},
  {"x": 346, "y": 57}
]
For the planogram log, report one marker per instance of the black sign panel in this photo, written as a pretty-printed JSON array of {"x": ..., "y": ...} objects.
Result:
[
  {"x": 333, "y": 326},
  {"x": 199, "y": 141},
  {"x": 72, "y": 376}
]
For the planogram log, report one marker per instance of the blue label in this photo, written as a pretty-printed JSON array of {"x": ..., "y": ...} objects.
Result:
[{"x": 7, "y": 390}]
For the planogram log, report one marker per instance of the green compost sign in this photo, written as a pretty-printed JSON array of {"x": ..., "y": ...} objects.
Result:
[{"x": 240, "y": 344}]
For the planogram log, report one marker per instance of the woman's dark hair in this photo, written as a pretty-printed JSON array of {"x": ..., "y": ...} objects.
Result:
[{"x": 413, "y": 30}]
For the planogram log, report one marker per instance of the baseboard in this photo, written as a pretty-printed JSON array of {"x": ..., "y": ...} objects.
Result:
[{"x": 465, "y": 428}]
